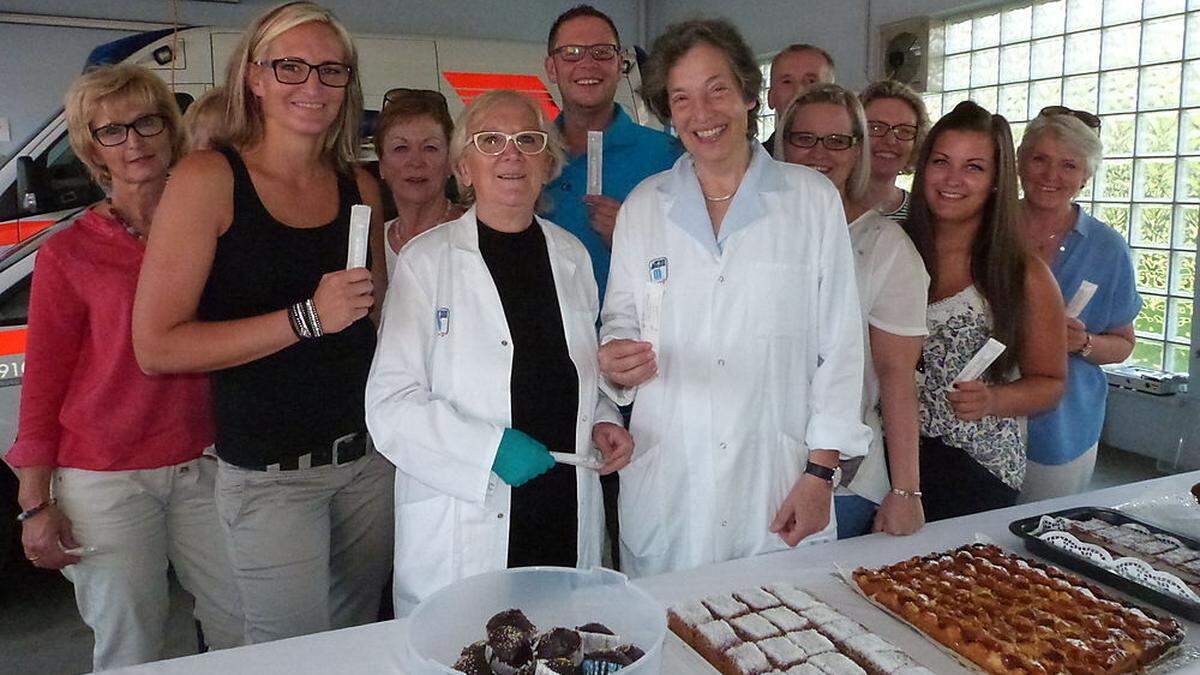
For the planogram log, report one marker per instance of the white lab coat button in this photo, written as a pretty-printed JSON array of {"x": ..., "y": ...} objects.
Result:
[
  {"x": 721, "y": 279},
  {"x": 720, "y": 362},
  {"x": 583, "y": 418},
  {"x": 504, "y": 342},
  {"x": 724, "y": 445},
  {"x": 500, "y": 515},
  {"x": 724, "y": 523}
]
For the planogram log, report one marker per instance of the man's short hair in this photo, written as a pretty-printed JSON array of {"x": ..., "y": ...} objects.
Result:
[
  {"x": 805, "y": 47},
  {"x": 574, "y": 13}
]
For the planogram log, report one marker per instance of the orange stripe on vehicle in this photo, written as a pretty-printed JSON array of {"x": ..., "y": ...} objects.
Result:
[
  {"x": 12, "y": 341},
  {"x": 470, "y": 85},
  {"x": 16, "y": 231}
]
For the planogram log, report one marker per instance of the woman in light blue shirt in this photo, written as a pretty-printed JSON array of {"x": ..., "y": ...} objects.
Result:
[{"x": 1059, "y": 153}]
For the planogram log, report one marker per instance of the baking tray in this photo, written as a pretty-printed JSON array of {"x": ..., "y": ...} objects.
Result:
[{"x": 1171, "y": 603}]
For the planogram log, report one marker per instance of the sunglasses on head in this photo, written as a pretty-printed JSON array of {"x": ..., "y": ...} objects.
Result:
[
  {"x": 398, "y": 93},
  {"x": 1092, "y": 121}
]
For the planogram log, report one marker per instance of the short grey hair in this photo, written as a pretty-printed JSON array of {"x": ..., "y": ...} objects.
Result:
[
  {"x": 468, "y": 120},
  {"x": 860, "y": 177},
  {"x": 1069, "y": 130}
]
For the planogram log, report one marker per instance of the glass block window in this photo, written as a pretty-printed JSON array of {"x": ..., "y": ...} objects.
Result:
[
  {"x": 766, "y": 116},
  {"x": 1136, "y": 63}
]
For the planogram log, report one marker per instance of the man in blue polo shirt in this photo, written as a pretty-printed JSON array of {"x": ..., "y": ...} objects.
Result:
[{"x": 584, "y": 61}]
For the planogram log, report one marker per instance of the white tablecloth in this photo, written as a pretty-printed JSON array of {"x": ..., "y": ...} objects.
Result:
[{"x": 376, "y": 648}]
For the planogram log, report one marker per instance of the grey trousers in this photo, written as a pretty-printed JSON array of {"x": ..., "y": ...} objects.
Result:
[
  {"x": 138, "y": 522},
  {"x": 312, "y": 548}
]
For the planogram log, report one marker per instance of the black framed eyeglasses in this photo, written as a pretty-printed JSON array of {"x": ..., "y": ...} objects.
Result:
[
  {"x": 431, "y": 95},
  {"x": 804, "y": 139},
  {"x": 1092, "y": 121},
  {"x": 116, "y": 133},
  {"x": 494, "y": 142},
  {"x": 291, "y": 70},
  {"x": 600, "y": 52},
  {"x": 902, "y": 132}
]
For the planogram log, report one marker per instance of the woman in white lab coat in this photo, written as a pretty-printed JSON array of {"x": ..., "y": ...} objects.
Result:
[
  {"x": 732, "y": 316},
  {"x": 486, "y": 362}
]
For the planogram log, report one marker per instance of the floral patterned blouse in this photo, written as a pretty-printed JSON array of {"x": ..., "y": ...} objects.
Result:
[{"x": 958, "y": 327}]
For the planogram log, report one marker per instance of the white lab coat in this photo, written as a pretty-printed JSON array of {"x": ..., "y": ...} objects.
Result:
[
  {"x": 438, "y": 401},
  {"x": 760, "y": 357}
]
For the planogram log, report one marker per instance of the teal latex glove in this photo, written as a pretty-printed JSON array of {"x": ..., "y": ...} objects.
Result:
[{"x": 520, "y": 458}]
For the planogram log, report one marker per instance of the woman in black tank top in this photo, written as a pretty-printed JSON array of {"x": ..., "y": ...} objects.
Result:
[{"x": 246, "y": 278}]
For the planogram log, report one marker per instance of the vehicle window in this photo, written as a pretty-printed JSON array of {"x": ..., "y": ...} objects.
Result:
[{"x": 14, "y": 303}]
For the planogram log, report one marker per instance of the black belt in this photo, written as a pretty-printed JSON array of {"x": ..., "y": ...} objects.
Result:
[{"x": 342, "y": 451}]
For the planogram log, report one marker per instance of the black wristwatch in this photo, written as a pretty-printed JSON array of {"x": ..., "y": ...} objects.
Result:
[{"x": 832, "y": 476}]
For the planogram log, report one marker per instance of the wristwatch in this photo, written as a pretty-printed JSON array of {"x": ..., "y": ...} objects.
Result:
[{"x": 833, "y": 476}]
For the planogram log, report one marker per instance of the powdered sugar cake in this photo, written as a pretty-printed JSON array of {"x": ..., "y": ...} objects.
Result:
[
  {"x": 1011, "y": 616},
  {"x": 782, "y": 630}
]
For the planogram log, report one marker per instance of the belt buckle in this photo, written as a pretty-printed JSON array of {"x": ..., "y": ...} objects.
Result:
[{"x": 337, "y": 445}]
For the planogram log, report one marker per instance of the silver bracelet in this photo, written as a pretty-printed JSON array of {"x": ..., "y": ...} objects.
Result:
[{"x": 314, "y": 320}]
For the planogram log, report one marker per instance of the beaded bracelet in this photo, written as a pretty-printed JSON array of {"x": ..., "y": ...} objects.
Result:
[
  {"x": 26, "y": 515},
  {"x": 906, "y": 493}
]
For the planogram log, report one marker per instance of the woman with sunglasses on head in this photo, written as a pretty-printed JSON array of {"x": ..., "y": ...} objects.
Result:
[
  {"x": 732, "y": 319},
  {"x": 825, "y": 129},
  {"x": 897, "y": 124},
  {"x": 486, "y": 363},
  {"x": 246, "y": 277},
  {"x": 412, "y": 138},
  {"x": 114, "y": 485},
  {"x": 984, "y": 285},
  {"x": 1059, "y": 153}
]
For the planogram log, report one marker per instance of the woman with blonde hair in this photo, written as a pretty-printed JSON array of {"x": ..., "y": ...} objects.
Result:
[
  {"x": 897, "y": 124},
  {"x": 487, "y": 361},
  {"x": 984, "y": 286},
  {"x": 1059, "y": 153},
  {"x": 114, "y": 483},
  {"x": 246, "y": 278},
  {"x": 825, "y": 129}
]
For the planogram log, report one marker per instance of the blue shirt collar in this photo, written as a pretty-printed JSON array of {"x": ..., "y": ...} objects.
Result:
[
  {"x": 617, "y": 132},
  {"x": 686, "y": 200},
  {"x": 1083, "y": 221}
]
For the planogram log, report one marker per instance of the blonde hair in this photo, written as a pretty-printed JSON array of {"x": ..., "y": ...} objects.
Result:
[
  {"x": 860, "y": 177},
  {"x": 905, "y": 93},
  {"x": 469, "y": 119},
  {"x": 205, "y": 120},
  {"x": 120, "y": 81},
  {"x": 1068, "y": 129},
  {"x": 244, "y": 117}
]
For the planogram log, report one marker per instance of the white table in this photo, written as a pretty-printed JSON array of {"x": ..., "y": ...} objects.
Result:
[{"x": 376, "y": 648}]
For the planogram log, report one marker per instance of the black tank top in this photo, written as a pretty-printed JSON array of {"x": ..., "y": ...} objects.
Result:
[{"x": 306, "y": 396}]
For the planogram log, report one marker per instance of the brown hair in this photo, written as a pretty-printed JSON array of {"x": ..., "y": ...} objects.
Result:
[
  {"x": 905, "y": 93},
  {"x": 677, "y": 40},
  {"x": 574, "y": 13},
  {"x": 406, "y": 107},
  {"x": 205, "y": 119},
  {"x": 805, "y": 47},
  {"x": 123, "y": 80},
  {"x": 998, "y": 254},
  {"x": 244, "y": 123}
]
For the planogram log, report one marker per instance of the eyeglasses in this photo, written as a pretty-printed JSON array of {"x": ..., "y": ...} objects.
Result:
[
  {"x": 494, "y": 142},
  {"x": 601, "y": 52},
  {"x": 1092, "y": 121},
  {"x": 430, "y": 95},
  {"x": 116, "y": 133},
  {"x": 902, "y": 132},
  {"x": 804, "y": 139},
  {"x": 291, "y": 70}
]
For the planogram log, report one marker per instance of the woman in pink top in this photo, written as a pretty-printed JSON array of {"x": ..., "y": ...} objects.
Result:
[{"x": 114, "y": 485}]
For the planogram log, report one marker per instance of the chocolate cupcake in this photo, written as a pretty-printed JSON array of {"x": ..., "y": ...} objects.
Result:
[
  {"x": 511, "y": 617},
  {"x": 632, "y": 651},
  {"x": 473, "y": 660},
  {"x": 559, "y": 643},
  {"x": 603, "y": 662},
  {"x": 508, "y": 649},
  {"x": 598, "y": 638}
]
